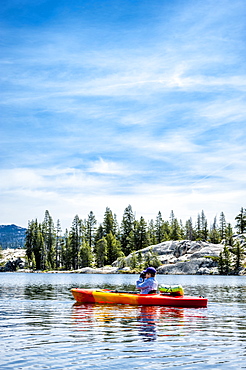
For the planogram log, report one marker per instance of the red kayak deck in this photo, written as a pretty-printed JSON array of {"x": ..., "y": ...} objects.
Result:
[{"x": 104, "y": 296}]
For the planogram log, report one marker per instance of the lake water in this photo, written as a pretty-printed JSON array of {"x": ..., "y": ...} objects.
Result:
[{"x": 42, "y": 327}]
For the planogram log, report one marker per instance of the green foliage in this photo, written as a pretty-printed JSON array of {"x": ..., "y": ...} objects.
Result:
[
  {"x": 141, "y": 239},
  {"x": 126, "y": 229},
  {"x": 90, "y": 228},
  {"x": 222, "y": 226},
  {"x": 139, "y": 261},
  {"x": 85, "y": 255},
  {"x": 175, "y": 230},
  {"x": 189, "y": 232},
  {"x": 238, "y": 252},
  {"x": 228, "y": 234},
  {"x": 152, "y": 259},
  {"x": 101, "y": 252},
  {"x": 159, "y": 229},
  {"x": 66, "y": 252},
  {"x": 231, "y": 259},
  {"x": 35, "y": 248},
  {"x": 214, "y": 234},
  {"x": 224, "y": 262},
  {"x": 89, "y": 244},
  {"x": 108, "y": 222},
  {"x": 151, "y": 233},
  {"x": 133, "y": 261},
  {"x": 241, "y": 221},
  {"x": 75, "y": 241},
  {"x": 201, "y": 227},
  {"x": 113, "y": 248},
  {"x": 99, "y": 234},
  {"x": 49, "y": 239}
]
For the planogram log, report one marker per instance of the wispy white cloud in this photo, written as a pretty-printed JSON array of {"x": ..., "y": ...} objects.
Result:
[
  {"x": 79, "y": 194},
  {"x": 102, "y": 166},
  {"x": 99, "y": 113}
]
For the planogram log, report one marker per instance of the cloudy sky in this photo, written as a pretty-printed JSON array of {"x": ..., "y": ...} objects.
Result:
[{"x": 118, "y": 102}]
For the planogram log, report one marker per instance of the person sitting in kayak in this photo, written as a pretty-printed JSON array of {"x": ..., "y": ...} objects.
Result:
[{"x": 147, "y": 282}]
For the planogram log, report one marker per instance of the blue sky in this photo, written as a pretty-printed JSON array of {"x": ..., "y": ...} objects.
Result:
[{"x": 111, "y": 103}]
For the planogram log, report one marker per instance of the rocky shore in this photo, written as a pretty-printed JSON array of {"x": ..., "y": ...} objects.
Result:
[
  {"x": 184, "y": 257},
  {"x": 181, "y": 257},
  {"x": 12, "y": 259}
]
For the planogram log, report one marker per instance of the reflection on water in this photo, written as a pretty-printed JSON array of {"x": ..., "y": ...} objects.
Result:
[
  {"x": 148, "y": 322},
  {"x": 150, "y": 316},
  {"x": 42, "y": 327},
  {"x": 147, "y": 318},
  {"x": 143, "y": 318}
]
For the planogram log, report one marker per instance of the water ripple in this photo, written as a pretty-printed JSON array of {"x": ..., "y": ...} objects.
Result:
[{"x": 42, "y": 328}]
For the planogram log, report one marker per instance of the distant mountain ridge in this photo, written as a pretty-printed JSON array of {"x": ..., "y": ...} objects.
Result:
[{"x": 12, "y": 236}]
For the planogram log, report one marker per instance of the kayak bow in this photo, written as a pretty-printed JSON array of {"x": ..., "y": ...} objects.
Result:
[{"x": 104, "y": 296}]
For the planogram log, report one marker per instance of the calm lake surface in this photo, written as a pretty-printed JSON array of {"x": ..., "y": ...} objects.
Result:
[{"x": 42, "y": 327}]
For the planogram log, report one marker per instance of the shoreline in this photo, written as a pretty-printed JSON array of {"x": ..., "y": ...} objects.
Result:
[{"x": 199, "y": 263}]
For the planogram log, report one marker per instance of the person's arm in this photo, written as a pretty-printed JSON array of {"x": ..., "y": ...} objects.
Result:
[{"x": 142, "y": 284}]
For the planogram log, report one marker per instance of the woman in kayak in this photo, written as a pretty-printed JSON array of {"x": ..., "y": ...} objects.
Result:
[{"x": 147, "y": 282}]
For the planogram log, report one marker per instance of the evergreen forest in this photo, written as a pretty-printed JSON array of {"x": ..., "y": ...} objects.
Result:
[{"x": 89, "y": 244}]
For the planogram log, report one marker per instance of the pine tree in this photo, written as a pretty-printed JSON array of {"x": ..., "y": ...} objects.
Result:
[
  {"x": 133, "y": 261},
  {"x": 99, "y": 234},
  {"x": 75, "y": 242},
  {"x": 40, "y": 251},
  {"x": 229, "y": 234},
  {"x": 238, "y": 251},
  {"x": 152, "y": 233},
  {"x": 101, "y": 252},
  {"x": 66, "y": 252},
  {"x": 198, "y": 228},
  {"x": 85, "y": 255},
  {"x": 58, "y": 244},
  {"x": 166, "y": 229},
  {"x": 130, "y": 246},
  {"x": 227, "y": 259},
  {"x": 224, "y": 262},
  {"x": 34, "y": 244},
  {"x": 214, "y": 234},
  {"x": 241, "y": 221},
  {"x": 171, "y": 218},
  {"x": 29, "y": 241},
  {"x": 222, "y": 226},
  {"x": 127, "y": 227},
  {"x": 49, "y": 236},
  {"x": 204, "y": 226},
  {"x": 159, "y": 228},
  {"x": 140, "y": 234},
  {"x": 175, "y": 230},
  {"x": 182, "y": 230},
  {"x": 116, "y": 228},
  {"x": 113, "y": 248},
  {"x": 108, "y": 222},
  {"x": 90, "y": 229},
  {"x": 189, "y": 231}
]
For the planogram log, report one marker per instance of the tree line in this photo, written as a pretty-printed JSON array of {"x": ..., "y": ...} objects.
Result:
[{"x": 89, "y": 244}]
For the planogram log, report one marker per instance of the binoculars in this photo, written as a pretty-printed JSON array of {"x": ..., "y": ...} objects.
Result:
[{"x": 143, "y": 275}]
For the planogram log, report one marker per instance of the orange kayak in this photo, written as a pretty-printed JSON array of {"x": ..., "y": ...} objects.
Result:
[{"x": 103, "y": 296}]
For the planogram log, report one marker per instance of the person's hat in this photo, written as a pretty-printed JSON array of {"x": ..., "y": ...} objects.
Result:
[{"x": 150, "y": 270}]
